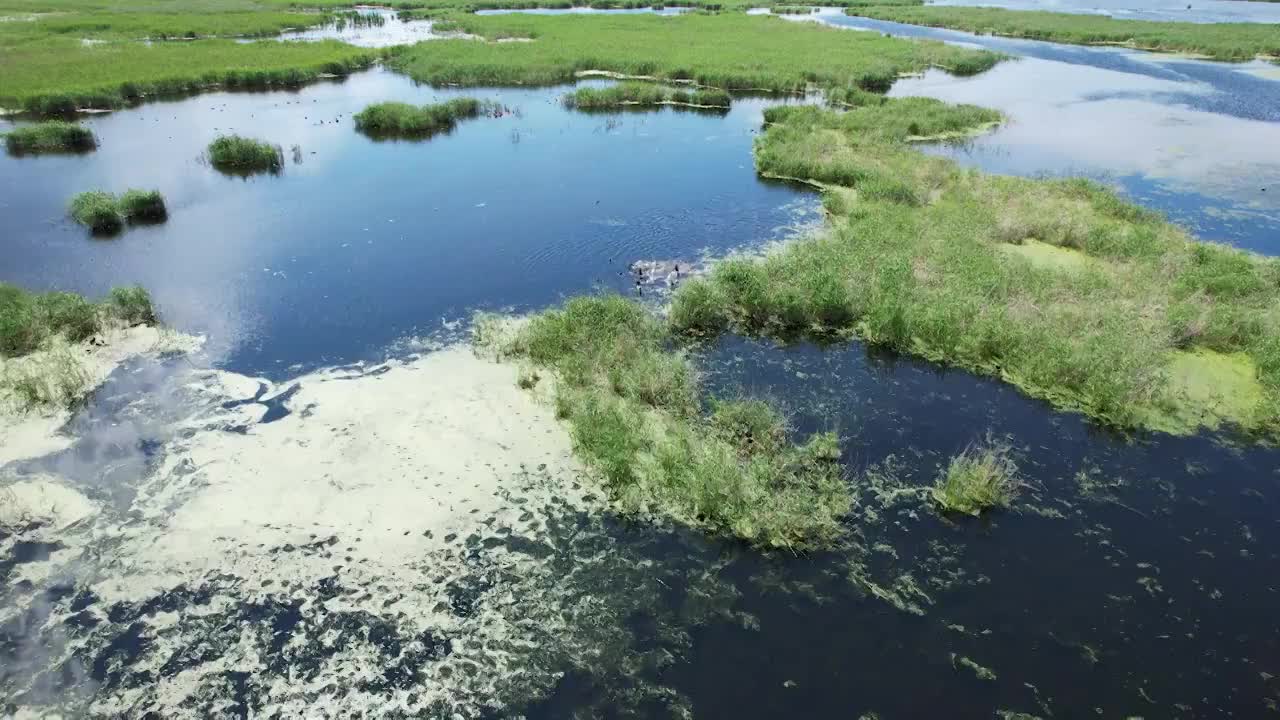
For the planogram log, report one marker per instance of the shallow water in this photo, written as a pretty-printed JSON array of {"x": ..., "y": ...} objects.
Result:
[
  {"x": 1194, "y": 139},
  {"x": 1196, "y": 11},
  {"x": 1134, "y": 577},
  {"x": 392, "y": 31}
]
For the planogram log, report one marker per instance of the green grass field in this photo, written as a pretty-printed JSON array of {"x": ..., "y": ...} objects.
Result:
[
  {"x": 1220, "y": 41},
  {"x": 59, "y": 75},
  {"x": 1057, "y": 286},
  {"x": 731, "y": 52}
]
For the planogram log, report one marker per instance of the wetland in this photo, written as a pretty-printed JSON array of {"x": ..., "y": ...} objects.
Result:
[{"x": 898, "y": 382}]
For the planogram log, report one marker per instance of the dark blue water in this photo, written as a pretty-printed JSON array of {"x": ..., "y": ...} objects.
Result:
[{"x": 364, "y": 243}]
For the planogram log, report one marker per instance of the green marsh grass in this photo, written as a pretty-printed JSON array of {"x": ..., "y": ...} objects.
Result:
[
  {"x": 98, "y": 211},
  {"x": 103, "y": 212},
  {"x": 52, "y": 136},
  {"x": 1219, "y": 41},
  {"x": 1059, "y": 287},
  {"x": 729, "y": 52},
  {"x": 30, "y": 320},
  {"x": 982, "y": 477},
  {"x": 58, "y": 75},
  {"x": 633, "y": 407},
  {"x": 143, "y": 206},
  {"x": 397, "y": 119},
  {"x": 632, "y": 94},
  {"x": 237, "y": 154}
]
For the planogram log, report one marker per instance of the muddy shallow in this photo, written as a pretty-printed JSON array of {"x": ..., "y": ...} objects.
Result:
[{"x": 250, "y": 531}]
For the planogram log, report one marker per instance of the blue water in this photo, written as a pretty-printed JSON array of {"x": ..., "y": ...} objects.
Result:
[{"x": 364, "y": 243}]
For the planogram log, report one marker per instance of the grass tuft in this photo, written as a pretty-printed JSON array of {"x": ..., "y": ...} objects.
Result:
[
  {"x": 982, "y": 477},
  {"x": 143, "y": 206},
  {"x": 397, "y": 119},
  {"x": 29, "y": 320},
  {"x": 242, "y": 155},
  {"x": 103, "y": 213},
  {"x": 634, "y": 414},
  {"x": 98, "y": 211},
  {"x": 638, "y": 94},
  {"x": 50, "y": 137}
]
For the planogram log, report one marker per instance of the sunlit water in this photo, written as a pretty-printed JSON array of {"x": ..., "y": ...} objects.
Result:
[
  {"x": 1197, "y": 11},
  {"x": 1194, "y": 139},
  {"x": 1134, "y": 577}
]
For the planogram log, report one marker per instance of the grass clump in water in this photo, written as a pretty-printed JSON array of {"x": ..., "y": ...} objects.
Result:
[
  {"x": 397, "y": 119},
  {"x": 30, "y": 320},
  {"x": 638, "y": 94},
  {"x": 635, "y": 417},
  {"x": 143, "y": 206},
  {"x": 1219, "y": 41},
  {"x": 98, "y": 211},
  {"x": 1125, "y": 318},
  {"x": 104, "y": 213},
  {"x": 242, "y": 155},
  {"x": 982, "y": 477},
  {"x": 49, "y": 137}
]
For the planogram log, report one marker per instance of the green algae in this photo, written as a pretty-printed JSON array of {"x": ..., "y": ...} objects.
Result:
[
  {"x": 1048, "y": 257},
  {"x": 1209, "y": 389}
]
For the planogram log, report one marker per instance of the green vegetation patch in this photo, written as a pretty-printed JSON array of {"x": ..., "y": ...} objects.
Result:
[
  {"x": 103, "y": 212},
  {"x": 30, "y": 320},
  {"x": 1219, "y": 41},
  {"x": 241, "y": 155},
  {"x": 56, "y": 74},
  {"x": 633, "y": 408},
  {"x": 982, "y": 477},
  {"x": 98, "y": 211},
  {"x": 638, "y": 94},
  {"x": 917, "y": 258},
  {"x": 730, "y": 52},
  {"x": 402, "y": 119},
  {"x": 49, "y": 137}
]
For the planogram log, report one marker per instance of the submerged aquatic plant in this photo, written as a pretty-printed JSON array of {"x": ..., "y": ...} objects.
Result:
[
  {"x": 50, "y": 136},
  {"x": 389, "y": 119},
  {"x": 633, "y": 409},
  {"x": 982, "y": 477},
  {"x": 242, "y": 155},
  {"x": 102, "y": 212}
]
